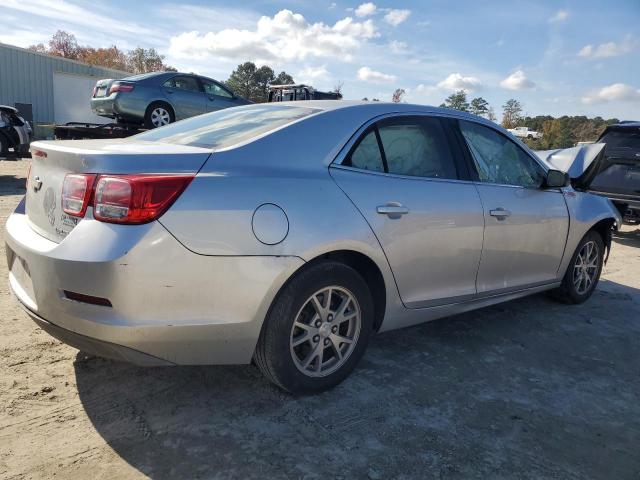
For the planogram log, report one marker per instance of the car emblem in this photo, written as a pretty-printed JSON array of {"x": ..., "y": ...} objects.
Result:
[{"x": 37, "y": 184}]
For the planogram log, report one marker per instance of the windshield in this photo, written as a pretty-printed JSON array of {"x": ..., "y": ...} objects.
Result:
[{"x": 228, "y": 127}]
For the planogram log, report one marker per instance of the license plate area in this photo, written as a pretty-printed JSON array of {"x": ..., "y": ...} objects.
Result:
[{"x": 101, "y": 91}]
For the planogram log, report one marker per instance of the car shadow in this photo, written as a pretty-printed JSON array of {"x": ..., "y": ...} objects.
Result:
[
  {"x": 11, "y": 185},
  {"x": 526, "y": 386},
  {"x": 628, "y": 237}
]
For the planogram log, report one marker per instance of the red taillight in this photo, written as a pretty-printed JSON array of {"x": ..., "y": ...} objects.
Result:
[
  {"x": 76, "y": 193},
  {"x": 136, "y": 198},
  {"x": 95, "y": 90},
  {"x": 120, "y": 87}
]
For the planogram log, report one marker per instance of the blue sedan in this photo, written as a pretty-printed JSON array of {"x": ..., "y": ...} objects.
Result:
[{"x": 159, "y": 98}]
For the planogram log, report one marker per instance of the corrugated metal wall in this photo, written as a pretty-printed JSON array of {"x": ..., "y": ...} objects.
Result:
[{"x": 27, "y": 77}]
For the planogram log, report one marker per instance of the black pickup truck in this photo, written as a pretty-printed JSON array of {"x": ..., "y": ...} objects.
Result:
[{"x": 618, "y": 173}]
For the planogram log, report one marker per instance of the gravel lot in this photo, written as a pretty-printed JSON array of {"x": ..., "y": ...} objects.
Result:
[{"x": 527, "y": 389}]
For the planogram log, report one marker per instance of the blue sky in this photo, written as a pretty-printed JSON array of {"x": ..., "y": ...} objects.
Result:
[{"x": 557, "y": 58}]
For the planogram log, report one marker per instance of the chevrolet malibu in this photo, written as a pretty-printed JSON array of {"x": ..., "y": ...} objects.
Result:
[{"x": 286, "y": 234}]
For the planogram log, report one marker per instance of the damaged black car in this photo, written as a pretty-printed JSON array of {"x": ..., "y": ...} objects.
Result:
[{"x": 15, "y": 133}]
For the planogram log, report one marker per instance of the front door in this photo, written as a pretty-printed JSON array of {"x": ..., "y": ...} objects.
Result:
[
  {"x": 526, "y": 225},
  {"x": 217, "y": 97},
  {"x": 402, "y": 175}
]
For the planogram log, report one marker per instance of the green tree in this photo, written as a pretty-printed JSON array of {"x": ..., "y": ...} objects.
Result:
[
  {"x": 457, "y": 101},
  {"x": 253, "y": 83},
  {"x": 512, "y": 113},
  {"x": 479, "y": 106},
  {"x": 283, "y": 78}
]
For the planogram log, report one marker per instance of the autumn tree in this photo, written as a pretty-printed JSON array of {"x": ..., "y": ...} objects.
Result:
[
  {"x": 138, "y": 60},
  {"x": 512, "y": 113},
  {"x": 64, "y": 44},
  {"x": 397, "y": 95},
  {"x": 457, "y": 101}
]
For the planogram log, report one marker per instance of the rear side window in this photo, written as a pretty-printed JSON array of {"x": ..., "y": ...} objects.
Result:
[
  {"x": 366, "y": 155},
  {"x": 498, "y": 159},
  {"x": 412, "y": 146},
  {"x": 183, "y": 83},
  {"x": 227, "y": 127},
  {"x": 418, "y": 148}
]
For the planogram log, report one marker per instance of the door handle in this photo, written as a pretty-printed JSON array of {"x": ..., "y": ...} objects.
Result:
[
  {"x": 500, "y": 213},
  {"x": 393, "y": 209}
]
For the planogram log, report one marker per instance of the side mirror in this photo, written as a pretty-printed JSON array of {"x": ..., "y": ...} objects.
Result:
[{"x": 556, "y": 179}]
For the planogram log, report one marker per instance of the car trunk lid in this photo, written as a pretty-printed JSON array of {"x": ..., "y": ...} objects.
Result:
[{"x": 52, "y": 161}]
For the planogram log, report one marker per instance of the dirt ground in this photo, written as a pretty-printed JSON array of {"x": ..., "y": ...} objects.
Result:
[{"x": 527, "y": 389}]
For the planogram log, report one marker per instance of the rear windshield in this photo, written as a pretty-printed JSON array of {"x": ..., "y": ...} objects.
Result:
[
  {"x": 620, "y": 141},
  {"x": 228, "y": 127}
]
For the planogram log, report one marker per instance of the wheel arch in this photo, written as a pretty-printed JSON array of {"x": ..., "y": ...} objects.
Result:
[
  {"x": 361, "y": 263},
  {"x": 604, "y": 228}
]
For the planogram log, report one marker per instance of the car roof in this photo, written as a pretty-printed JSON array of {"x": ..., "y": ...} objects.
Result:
[{"x": 378, "y": 108}]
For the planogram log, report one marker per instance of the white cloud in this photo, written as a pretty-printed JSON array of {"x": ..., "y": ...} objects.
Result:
[
  {"x": 612, "y": 93},
  {"x": 312, "y": 74},
  {"x": 456, "y": 81},
  {"x": 366, "y": 9},
  {"x": 517, "y": 81},
  {"x": 395, "y": 16},
  {"x": 397, "y": 47},
  {"x": 559, "y": 16},
  {"x": 285, "y": 36},
  {"x": 368, "y": 75},
  {"x": 606, "y": 50}
]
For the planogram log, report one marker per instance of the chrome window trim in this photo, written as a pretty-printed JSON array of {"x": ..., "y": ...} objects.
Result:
[
  {"x": 346, "y": 148},
  {"x": 401, "y": 177}
]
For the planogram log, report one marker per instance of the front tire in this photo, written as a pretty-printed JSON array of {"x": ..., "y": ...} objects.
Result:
[
  {"x": 317, "y": 329},
  {"x": 583, "y": 272},
  {"x": 158, "y": 114}
]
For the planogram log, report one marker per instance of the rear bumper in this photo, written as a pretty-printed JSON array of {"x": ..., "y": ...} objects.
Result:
[
  {"x": 167, "y": 302},
  {"x": 95, "y": 346}
]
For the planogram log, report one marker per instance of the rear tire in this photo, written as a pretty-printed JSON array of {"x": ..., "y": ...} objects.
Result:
[
  {"x": 317, "y": 329},
  {"x": 158, "y": 114},
  {"x": 583, "y": 272}
]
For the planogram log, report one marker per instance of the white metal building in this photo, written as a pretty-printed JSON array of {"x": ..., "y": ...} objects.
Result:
[{"x": 52, "y": 89}]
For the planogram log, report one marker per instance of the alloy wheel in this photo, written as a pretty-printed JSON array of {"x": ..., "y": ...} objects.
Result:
[
  {"x": 585, "y": 268},
  {"x": 325, "y": 331}
]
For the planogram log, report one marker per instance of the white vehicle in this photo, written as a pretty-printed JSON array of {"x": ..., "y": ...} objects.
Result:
[{"x": 524, "y": 132}]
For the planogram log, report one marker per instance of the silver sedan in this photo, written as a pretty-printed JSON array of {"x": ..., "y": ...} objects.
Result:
[{"x": 286, "y": 234}]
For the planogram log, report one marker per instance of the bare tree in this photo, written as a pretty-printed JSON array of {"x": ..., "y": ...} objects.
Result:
[{"x": 397, "y": 95}]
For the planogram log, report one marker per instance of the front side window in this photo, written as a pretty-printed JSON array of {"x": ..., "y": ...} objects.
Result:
[
  {"x": 417, "y": 147},
  {"x": 183, "y": 83},
  {"x": 212, "y": 88},
  {"x": 498, "y": 159}
]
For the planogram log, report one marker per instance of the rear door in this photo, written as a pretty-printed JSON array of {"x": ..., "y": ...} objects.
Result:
[
  {"x": 186, "y": 96},
  {"x": 216, "y": 96},
  {"x": 526, "y": 225},
  {"x": 404, "y": 175}
]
